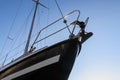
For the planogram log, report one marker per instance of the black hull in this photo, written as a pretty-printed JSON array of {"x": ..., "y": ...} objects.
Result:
[{"x": 52, "y": 63}]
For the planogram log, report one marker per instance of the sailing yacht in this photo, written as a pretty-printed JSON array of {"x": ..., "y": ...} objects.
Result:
[{"x": 49, "y": 63}]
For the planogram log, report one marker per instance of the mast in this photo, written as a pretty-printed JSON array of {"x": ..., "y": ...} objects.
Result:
[
  {"x": 32, "y": 24},
  {"x": 31, "y": 28}
]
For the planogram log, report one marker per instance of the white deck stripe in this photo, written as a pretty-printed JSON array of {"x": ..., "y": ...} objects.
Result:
[{"x": 34, "y": 67}]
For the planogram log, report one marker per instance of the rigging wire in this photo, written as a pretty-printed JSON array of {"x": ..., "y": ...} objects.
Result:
[
  {"x": 12, "y": 57},
  {"x": 48, "y": 17},
  {"x": 51, "y": 34},
  {"x": 76, "y": 22},
  {"x": 15, "y": 38},
  {"x": 65, "y": 21},
  {"x": 46, "y": 20},
  {"x": 13, "y": 22},
  {"x": 36, "y": 25},
  {"x": 11, "y": 50},
  {"x": 11, "y": 28},
  {"x": 35, "y": 41},
  {"x": 38, "y": 32},
  {"x": 23, "y": 25}
]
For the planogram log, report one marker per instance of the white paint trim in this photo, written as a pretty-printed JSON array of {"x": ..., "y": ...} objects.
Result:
[
  {"x": 34, "y": 67},
  {"x": 22, "y": 57}
]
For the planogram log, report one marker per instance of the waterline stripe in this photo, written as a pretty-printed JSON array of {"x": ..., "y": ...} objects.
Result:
[{"x": 32, "y": 68}]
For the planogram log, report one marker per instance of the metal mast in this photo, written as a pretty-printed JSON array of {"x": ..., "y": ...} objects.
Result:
[
  {"x": 31, "y": 28},
  {"x": 32, "y": 24}
]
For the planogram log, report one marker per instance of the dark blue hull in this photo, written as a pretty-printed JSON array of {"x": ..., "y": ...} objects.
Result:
[{"x": 52, "y": 63}]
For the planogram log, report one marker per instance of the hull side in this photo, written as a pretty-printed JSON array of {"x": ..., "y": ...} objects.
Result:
[{"x": 53, "y": 63}]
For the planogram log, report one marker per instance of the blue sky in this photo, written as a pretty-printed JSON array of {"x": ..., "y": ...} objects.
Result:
[{"x": 100, "y": 55}]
